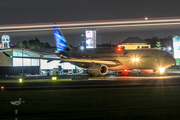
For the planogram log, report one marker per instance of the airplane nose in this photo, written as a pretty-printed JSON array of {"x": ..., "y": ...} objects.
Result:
[
  {"x": 173, "y": 60},
  {"x": 169, "y": 62}
]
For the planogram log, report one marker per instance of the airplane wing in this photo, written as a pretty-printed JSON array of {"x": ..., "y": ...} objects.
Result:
[
  {"x": 50, "y": 59},
  {"x": 75, "y": 61},
  {"x": 86, "y": 61}
]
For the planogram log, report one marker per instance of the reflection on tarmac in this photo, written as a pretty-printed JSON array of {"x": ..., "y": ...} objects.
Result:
[
  {"x": 140, "y": 77},
  {"x": 92, "y": 82}
]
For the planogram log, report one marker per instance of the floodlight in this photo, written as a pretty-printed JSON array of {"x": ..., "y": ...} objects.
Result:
[{"x": 82, "y": 48}]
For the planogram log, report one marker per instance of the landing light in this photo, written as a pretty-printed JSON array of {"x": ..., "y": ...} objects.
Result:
[
  {"x": 135, "y": 59},
  {"x": 161, "y": 69}
]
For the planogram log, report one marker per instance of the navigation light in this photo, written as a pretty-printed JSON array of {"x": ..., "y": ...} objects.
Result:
[{"x": 119, "y": 49}]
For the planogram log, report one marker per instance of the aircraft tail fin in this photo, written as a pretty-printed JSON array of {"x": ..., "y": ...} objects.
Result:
[{"x": 60, "y": 41}]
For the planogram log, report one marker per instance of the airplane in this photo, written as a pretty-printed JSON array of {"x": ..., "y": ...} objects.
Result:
[{"x": 98, "y": 61}]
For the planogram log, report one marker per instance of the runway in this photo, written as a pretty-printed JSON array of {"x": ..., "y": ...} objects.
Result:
[{"x": 39, "y": 83}]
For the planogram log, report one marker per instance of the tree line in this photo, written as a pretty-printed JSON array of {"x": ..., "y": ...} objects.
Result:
[
  {"x": 154, "y": 42},
  {"x": 36, "y": 44},
  {"x": 32, "y": 44},
  {"x": 166, "y": 42}
]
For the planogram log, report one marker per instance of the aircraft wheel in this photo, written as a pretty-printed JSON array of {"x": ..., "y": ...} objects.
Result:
[{"x": 90, "y": 75}]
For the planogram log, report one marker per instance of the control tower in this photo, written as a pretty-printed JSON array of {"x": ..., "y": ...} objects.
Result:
[{"x": 5, "y": 39}]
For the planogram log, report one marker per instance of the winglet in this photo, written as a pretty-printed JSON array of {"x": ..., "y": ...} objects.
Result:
[{"x": 8, "y": 55}]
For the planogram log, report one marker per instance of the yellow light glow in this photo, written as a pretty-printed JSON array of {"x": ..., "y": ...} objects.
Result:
[
  {"x": 135, "y": 59},
  {"x": 2, "y": 87},
  {"x": 20, "y": 80},
  {"x": 161, "y": 69},
  {"x": 54, "y": 78}
]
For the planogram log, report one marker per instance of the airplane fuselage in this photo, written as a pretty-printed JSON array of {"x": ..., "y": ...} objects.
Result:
[
  {"x": 99, "y": 60},
  {"x": 129, "y": 59}
]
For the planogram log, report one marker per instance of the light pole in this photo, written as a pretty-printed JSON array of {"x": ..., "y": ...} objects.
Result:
[{"x": 16, "y": 103}]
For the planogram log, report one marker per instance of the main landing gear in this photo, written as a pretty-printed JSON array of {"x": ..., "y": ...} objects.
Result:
[{"x": 126, "y": 73}]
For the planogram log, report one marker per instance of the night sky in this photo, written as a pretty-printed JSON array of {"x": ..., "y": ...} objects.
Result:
[{"x": 45, "y": 11}]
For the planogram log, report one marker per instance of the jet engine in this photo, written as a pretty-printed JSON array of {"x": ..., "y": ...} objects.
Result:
[{"x": 97, "y": 69}]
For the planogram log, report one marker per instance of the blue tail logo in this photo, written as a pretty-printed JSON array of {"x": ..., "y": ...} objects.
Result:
[{"x": 61, "y": 43}]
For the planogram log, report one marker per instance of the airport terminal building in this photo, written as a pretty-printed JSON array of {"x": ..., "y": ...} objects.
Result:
[
  {"x": 18, "y": 66},
  {"x": 25, "y": 65},
  {"x": 29, "y": 66}
]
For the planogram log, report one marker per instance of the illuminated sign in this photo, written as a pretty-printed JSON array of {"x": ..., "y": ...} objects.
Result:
[
  {"x": 176, "y": 45},
  {"x": 91, "y": 39}
]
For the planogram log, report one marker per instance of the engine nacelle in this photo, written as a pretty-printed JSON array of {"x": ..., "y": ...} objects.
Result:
[{"x": 97, "y": 69}]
